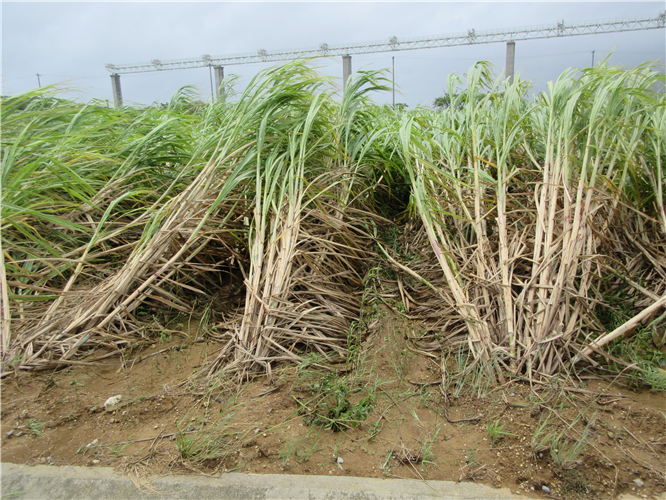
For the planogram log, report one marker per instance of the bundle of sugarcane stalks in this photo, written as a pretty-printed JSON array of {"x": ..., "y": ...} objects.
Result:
[
  {"x": 529, "y": 206},
  {"x": 524, "y": 211}
]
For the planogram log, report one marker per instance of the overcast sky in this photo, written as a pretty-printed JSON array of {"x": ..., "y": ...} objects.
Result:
[{"x": 72, "y": 41}]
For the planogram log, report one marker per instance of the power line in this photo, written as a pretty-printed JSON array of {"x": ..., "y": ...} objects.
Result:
[{"x": 394, "y": 44}]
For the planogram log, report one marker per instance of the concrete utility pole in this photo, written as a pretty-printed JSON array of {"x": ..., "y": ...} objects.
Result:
[
  {"x": 39, "y": 81},
  {"x": 117, "y": 91},
  {"x": 346, "y": 69},
  {"x": 510, "y": 59},
  {"x": 219, "y": 78},
  {"x": 393, "y": 77}
]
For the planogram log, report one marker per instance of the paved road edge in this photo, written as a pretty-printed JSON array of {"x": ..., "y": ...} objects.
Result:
[{"x": 22, "y": 482}]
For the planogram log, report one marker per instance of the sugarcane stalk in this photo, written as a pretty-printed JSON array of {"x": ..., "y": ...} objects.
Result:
[
  {"x": 5, "y": 330},
  {"x": 626, "y": 327}
]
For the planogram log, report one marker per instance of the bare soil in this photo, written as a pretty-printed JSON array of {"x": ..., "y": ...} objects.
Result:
[{"x": 610, "y": 439}]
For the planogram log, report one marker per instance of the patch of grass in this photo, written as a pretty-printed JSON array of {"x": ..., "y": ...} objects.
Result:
[
  {"x": 385, "y": 464},
  {"x": 426, "y": 447},
  {"x": 616, "y": 309},
  {"x": 390, "y": 235},
  {"x": 428, "y": 437},
  {"x": 564, "y": 450},
  {"x": 574, "y": 482},
  {"x": 471, "y": 377},
  {"x": 400, "y": 366},
  {"x": 71, "y": 416},
  {"x": 331, "y": 406},
  {"x": 427, "y": 397},
  {"x": 205, "y": 444},
  {"x": 307, "y": 373},
  {"x": 301, "y": 447},
  {"x": 287, "y": 451},
  {"x": 332, "y": 396},
  {"x": 652, "y": 378},
  {"x": 91, "y": 447},
  {"x": 14, "y": 493},
  {"x": 210, "y": 443},
  {"x": 373, "y": 278},
  {"x": 641, "y": 348},
  {"x": 542, "y": 436}
]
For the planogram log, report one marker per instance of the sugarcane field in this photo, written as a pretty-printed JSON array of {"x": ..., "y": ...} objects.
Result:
[{"x": 294, "y": 279}]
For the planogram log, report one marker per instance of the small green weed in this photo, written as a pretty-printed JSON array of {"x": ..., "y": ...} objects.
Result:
[
  {"x": 117, "y": 449},
  {"x": 496, "y": 431},
  {"x": 376, "y": 429},
  {"x": 14, "y": 493},
  {"x": 471, "y": 458},
  {"x": 426, "y": 448},
  {"x": 400, "y": 366},
  {"x": 653, "y": 378},
  {"x": 428, "y": 438},
  {"x": 542, "y": 436},
  {"x": 35, "y": 426},
  {"x": 354, "y": 348},
  {"x": 385, "y": 464}
]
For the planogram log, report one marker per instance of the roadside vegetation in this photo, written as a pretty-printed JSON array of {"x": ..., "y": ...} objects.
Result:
[{"x": 511, "y": 239}]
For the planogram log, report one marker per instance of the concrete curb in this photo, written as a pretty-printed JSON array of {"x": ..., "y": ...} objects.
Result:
[{"x": 68, "y": 482}]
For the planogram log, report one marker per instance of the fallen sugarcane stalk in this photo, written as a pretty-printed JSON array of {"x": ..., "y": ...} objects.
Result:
[{"x": 621, "y": 330}]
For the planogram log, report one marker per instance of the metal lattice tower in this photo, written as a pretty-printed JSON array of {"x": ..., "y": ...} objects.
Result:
[{"x": 393, "y": 44}]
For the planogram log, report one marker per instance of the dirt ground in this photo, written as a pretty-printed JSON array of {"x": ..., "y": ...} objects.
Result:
[{"x": 588, "y": 438}]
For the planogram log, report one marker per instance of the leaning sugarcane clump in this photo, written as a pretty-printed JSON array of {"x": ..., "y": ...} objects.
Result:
[
  {"x": 261, "y": 193},
  {"x": 308, "y": 255},
  {"x": 101, "y": 229},
  {"x": 520, "y": 200}
]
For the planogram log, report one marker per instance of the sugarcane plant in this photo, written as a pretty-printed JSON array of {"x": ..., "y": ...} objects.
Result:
[{"x": 518, "y": 213}]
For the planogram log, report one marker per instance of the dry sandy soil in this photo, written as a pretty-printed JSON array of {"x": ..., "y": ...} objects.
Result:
[{"x": 586, "y": 438}]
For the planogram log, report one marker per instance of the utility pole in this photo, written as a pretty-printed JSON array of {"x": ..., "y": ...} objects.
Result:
[
  {"x": 39, "y": 82},
  {"x": 117, "y": 91},
  {"x": 393, "y": 67},
  {"x": 219, "y": 79},
  {"x": 592, "y": 59},
  {"x": 210, "y": 74},
  {"x": 346, "y": 70},
  {"x": 510, "y": 60}
]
